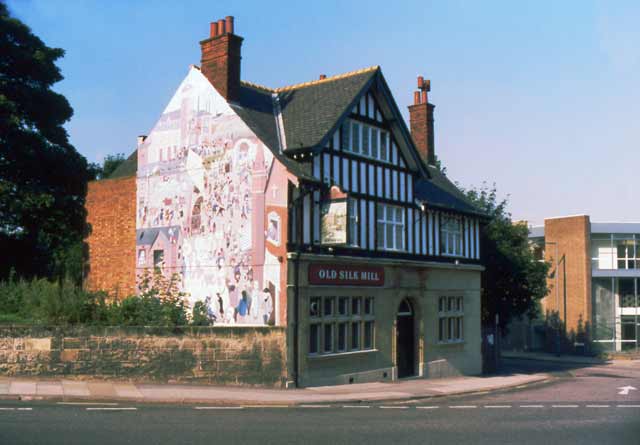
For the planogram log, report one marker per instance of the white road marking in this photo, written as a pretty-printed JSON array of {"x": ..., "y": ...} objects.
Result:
[
  {"x": 565, "y": 406},
  {"x": 111, "y": 409},
  {"x": 427, "y": 407},
  {"x": 597, "y": 406},
  {"x": 531, "y": 406},
  {"x": 315, "y": 406},
  {"x": 356, "y": 406},
  {"x": 88, "y": 403},
  {"x": 497, "y": 406},
  {"x": 462, "y": 406},
  {"x": 394, "y": 407},
  {"x": 266, "y": 406},
  {"x": 16, "y": 409},
  {"x": 217, "y": 407},
  {"x": 624, "y": 390},
  {"x": 628, "y": 406}
]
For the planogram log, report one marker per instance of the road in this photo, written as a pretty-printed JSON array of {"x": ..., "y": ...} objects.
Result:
[{"x": 581, "y": 406}]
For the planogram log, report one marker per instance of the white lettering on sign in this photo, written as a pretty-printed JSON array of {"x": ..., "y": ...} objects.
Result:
[{"x": 331, "y": 274}]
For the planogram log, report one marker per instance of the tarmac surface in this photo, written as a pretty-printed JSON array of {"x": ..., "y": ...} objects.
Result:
[{"x": 576, "y": 403}]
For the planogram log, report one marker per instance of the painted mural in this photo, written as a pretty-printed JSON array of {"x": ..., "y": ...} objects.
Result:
[{"x": 202, "y": 185}]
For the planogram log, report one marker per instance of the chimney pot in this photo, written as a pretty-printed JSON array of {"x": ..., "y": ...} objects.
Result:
[
  {"x": 229, "y": 24},
  {"x": 323, "y": 76},
  {"x": 220, "y": 59},
  {"x": 416, "y": 97},
  {"x": 424, "y": 97},
  {"x": 420, "y": 82}
]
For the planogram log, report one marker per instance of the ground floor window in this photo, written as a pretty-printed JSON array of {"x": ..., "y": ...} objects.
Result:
[
  {"x": 341, "y": 324},
  {"x": 450, "y": 319}
]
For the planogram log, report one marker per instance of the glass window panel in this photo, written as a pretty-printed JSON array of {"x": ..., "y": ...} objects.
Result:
[
  {"x": 328, "y": 306},
  {"x": 365, "y": 140},
  {"x": 314, "y": 307},
  {"x": 368, "y": 306},
  {"x": 346, "y": 144},
  {"x": 375, "y": 134},
  {"x": 356, "y": 303},
  {"x": 328, "y": 337},
  {"x": 314, "y": 338},
  {"x": 343, "y": 306},
  {"x": 342, "y": 336},
  {"x": 355, "y": 335},
  {"x": 442, "y": 329},
  {"x": 368, "y": 334}
]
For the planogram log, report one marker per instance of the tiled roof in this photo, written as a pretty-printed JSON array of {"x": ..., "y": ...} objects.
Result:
[
  {"x": 310, "y": 110},
  {"x": 440, "y": 192},
  {"x": 128, "y": 168}
]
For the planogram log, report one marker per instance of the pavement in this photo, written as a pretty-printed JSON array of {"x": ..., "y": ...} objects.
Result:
[{"x": 75, "y": 390}]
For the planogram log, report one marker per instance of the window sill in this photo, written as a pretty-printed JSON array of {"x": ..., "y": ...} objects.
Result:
[
  {"x": 451, "y": 342},
  {"x": 339, "y": 354}
]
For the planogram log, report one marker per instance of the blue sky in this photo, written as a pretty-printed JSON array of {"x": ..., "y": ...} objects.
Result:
[{"x": 541, "y": 98}]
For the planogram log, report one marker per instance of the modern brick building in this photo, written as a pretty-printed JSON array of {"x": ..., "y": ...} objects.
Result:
[
  {"x": 595, "y": 278},
  {"x": 309, "y": 206}
]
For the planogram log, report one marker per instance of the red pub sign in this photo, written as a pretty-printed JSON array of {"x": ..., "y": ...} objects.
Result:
[{"x": 338, "y": 275}]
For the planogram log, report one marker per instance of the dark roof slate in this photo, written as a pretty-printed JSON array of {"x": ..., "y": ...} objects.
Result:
[
  {"x": 255, "y": 108},
  {"x": 440, "y": 192},
  {"x": 310, "y": 111}
]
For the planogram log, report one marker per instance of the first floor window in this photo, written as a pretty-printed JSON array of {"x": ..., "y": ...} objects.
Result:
[
  {"x": 390, "y": 227},
  {"x": 451, "y": 236},
  {"x": 341, "y": 324},
  {"x": 450, "y": 319}
]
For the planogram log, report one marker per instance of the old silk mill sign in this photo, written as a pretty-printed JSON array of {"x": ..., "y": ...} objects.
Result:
[{"x": 346, "y": 275}]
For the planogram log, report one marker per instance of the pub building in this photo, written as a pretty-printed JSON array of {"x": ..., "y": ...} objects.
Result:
[{"x": 311, "y": 207}]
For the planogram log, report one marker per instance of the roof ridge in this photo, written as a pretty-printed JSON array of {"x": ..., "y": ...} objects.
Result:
[
  {"x": 310, "y": 83},
  {"x": 327, "y": 79},
  {"x": 257, "y": 86}
]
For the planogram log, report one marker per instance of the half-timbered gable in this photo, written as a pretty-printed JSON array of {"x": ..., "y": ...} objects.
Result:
[{"x": 368, "y": 154}]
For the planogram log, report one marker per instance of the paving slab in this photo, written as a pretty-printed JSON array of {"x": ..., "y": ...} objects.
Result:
[
  {"x": 127, "y": 391},
  {"x": 101, "y": 390},
  {"x": 75, "y": 389},
  {"x": 4, "y": 388},
  {"x": 23, "y": 388},
  {"x": 49, "y": 389}
]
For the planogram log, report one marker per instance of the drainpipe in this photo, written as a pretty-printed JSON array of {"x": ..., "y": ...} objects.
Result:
[{"x": 296, "y": 287}]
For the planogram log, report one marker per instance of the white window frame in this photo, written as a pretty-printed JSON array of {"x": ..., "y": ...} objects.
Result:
[
  {"x": 347, "y": 318},
  {"x": 387, "y": 216},
  {"x": 451, "y": 235},
  {"x": 451, "y": 319}
]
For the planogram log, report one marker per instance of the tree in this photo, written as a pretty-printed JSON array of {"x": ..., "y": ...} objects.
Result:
[
  {"x": 514, "y": 281},
  {"x": 43, "y": 179},
  {"x": 109, "y": 165}
]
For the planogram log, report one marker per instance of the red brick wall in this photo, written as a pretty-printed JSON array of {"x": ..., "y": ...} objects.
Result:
[
  {"x": 421, "y": 123},
  {"x": 111, "y": 211},
  {"x": 574, "y": 269}
]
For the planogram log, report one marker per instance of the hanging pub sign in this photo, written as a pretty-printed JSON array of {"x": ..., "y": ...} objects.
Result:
[
  {"x": 343, "y": 275},
  {"x": 334, "y": 218}
]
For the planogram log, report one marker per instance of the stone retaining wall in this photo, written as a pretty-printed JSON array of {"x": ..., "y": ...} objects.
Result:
[{"x": 216, "y": 355}]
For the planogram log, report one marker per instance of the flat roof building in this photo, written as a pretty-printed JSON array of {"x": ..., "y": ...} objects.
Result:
[{"x": 595, "y": 277}]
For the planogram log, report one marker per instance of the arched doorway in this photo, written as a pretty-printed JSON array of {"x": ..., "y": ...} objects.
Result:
[{"x": 405, "y": 341}]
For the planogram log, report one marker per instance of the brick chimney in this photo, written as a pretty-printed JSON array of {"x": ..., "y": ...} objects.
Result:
[
  {"x": 421, "y": 121},
  {"x": 221, "y": 59}
]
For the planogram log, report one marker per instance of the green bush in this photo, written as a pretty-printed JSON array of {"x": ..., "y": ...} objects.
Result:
[{"x": 39, "y": 301}]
